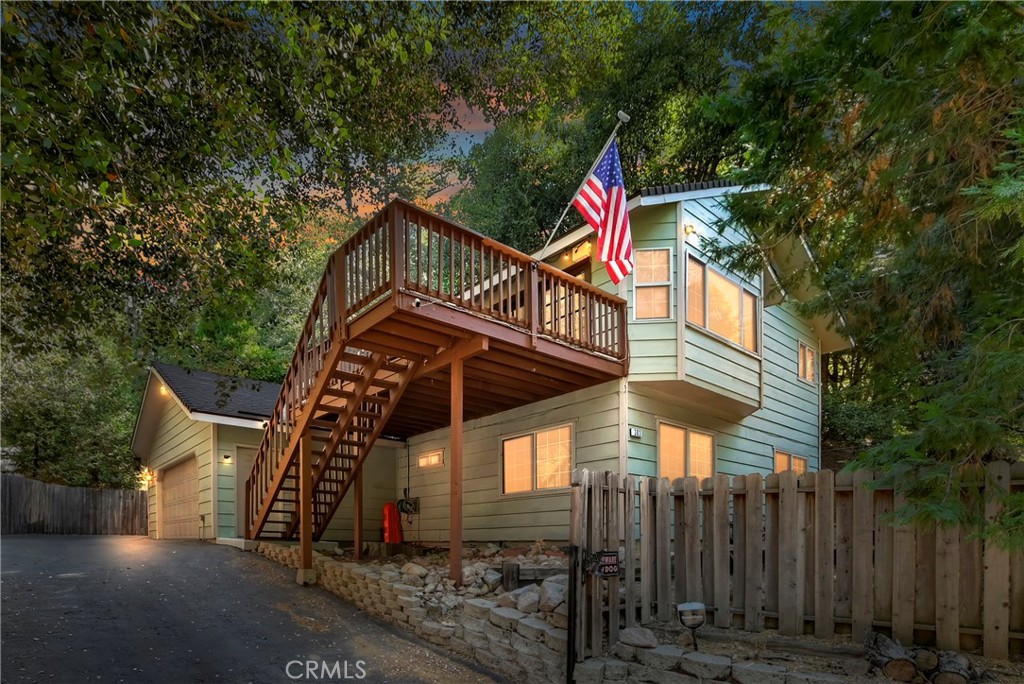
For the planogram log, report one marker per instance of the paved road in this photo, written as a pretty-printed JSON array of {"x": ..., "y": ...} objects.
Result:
[{"x": 130, "y": 609}]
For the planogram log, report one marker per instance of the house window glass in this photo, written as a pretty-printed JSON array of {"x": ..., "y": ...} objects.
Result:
[
  {"x": 540, "y": 460},
  {"x": 695, "y": 292},
  {"x": 723, "y": 307},
  {"x": 683, "y": 452},
  {"x": 749, "y": 321},
  {"x": 718, "y": 304},
  {"x": 431, "y": 460},
  {"x": 786, "y": 461},
  {"x": 517, "y": 464},
  {"x": 807, "y": 363},
  {"x": 653, "y": 283},
  {"x": 554, "y": 456}
]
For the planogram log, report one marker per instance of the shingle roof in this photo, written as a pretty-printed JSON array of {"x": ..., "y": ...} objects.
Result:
[
  {"x": 655, "y": 190},
  {"x": 221, "y": 395}
]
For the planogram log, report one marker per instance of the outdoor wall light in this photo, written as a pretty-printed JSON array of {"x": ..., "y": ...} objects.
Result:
[
  {"x": 227, "y": 457},
  {"x": 692, "y": 616},
  {"x": 689, "y": 229},
  {"x": 163, "y": 390}
]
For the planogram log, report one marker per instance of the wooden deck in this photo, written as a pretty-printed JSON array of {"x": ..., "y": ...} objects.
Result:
[
  {"x": 543, "y": 332},
  {"x": 419, "y": 324}
]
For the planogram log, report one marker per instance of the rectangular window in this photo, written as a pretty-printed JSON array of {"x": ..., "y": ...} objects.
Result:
[
  {"x": 786, "y": 461},
  {"x": 683, "y": 452},
  {"x": 807, "y": 363},
  {"x": 723, "y": 307},
  {"x": 652, "y": 281},
  {"x": 716, "y": 303},
  {"x": 431, "y": 460},
  {"x": 695, "y": 292},
  {"x": 540, "y": 460}
]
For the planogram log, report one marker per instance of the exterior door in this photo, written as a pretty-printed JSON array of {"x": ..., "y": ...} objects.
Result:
[
  {"x": 244, "y": 457},
  {"x": 179, "y": 496}
]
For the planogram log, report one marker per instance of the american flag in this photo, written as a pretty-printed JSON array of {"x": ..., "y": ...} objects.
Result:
[{"x": 602, "y": 201}]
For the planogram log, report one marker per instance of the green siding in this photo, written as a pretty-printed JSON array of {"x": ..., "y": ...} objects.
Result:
[
  {"x": 788, "y": 420},
  {"x": 488, "y": 515},
  {"x": 378, "y": 489},
  {"x": 178, "y": 437},
  {"x": 710, "y": 362},
  {"x": 230, "y": 483},
  {"x": 652, "y": 343}
]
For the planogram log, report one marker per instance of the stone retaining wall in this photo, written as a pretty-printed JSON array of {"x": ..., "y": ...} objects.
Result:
[{"x": 519, "y": 645}]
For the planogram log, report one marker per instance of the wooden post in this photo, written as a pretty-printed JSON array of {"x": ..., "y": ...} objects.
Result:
[
  {"x": 248, "y": 509},
  {"x": 455, "y": 503},
  {"x": 306, "y": 574},
  {"x": 357, "y": 504},
  {"x": 509, "y": 575},
  {"x": 396, "y": 226},
  {"x": 995, "y": 609}
]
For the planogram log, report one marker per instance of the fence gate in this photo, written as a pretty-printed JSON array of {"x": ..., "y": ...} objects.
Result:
[{"x": 630, "y": 517}]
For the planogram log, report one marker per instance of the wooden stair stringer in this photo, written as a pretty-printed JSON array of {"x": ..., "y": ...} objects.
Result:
[
  {"x": 304, "y": 418},
  {"x": 341, "y": 427},
  {"x": 364, "y": 450}
]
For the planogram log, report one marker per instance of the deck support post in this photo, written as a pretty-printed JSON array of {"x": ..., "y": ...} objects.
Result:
[
  {"x": 306, "y": 574},
  {"x": 455, "y": 503},
  {"x": 357, "y": 504}
]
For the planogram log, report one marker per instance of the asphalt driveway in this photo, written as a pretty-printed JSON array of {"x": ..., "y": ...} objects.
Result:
[{"x": 131, "y": 609}]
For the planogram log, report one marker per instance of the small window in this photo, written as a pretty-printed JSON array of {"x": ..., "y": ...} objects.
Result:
[
  {"x": 653, "y": 283},
  {"x": 785, "y": 461},
  {"x": 431, "y": 460},
  {"x": 717, "y": 304},
  {"x": 807, "y": 363},
  {"x": 683, "y": 452},
  {"x": 539, "y": 460}
]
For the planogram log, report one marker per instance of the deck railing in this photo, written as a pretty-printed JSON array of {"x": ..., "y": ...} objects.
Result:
[
  {"x": 406, "y": 249},
  {"x": 453, "y": 264}
]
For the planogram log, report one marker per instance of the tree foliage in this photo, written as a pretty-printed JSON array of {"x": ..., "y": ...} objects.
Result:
[
  {"x": 155, "y": 152},
  {"x": 891, "y": 138},
  {"x": 669, "y": 58},
  {"x": 68, "y": 418}
]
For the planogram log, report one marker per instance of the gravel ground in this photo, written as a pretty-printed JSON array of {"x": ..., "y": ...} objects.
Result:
[{"x": 132, "y": 609}]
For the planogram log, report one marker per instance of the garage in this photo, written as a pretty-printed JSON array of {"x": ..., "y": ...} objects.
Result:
[{"x": 179, "y": 496}]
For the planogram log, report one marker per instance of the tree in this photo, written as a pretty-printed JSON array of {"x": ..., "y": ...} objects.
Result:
[
  {"x": 669, "y": 57},
  {"x": 69, "y": 418},
  {"x": 890, "y": 136},
  {"x": 155, "y": 152}
]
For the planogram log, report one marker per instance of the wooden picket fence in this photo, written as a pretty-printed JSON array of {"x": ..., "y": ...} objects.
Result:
[
  {"x": 808, "y": 554},
  {"x": 33, "y": 507}
]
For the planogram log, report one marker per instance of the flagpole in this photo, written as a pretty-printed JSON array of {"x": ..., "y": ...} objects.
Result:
[{"x": 622, "y": 118}]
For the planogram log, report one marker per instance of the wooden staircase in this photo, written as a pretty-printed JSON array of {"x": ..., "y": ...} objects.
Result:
[
  {"x": 418, "y": 324},
  {"x": 337, "y": 394}
]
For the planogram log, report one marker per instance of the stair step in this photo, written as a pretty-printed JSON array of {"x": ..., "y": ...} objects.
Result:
[{"x": 346, "y": 376}]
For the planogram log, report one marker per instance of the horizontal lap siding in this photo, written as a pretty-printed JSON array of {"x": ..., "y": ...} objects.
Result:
[
  {"x": 178, "y": 436},
  {"x": 653, "y": 344},
  {"x": 710, "y": 362},
  {"x": 787, "y": 421},
  {"x": 230, "y": 482},
  {"x": 487, "y": 514},
  {"x": 378, "y": 489}
]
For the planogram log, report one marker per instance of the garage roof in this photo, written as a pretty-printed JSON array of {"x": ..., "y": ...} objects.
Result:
[{"x": 220, "y": 395}]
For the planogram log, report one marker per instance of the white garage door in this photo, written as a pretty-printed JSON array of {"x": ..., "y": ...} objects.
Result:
[{"x": 180, "y": 501}]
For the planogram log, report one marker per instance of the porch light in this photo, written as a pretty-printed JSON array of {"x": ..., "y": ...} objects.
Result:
[
  {"x": 689, "y": 229},
  {"x": 578, "y": 253},
  {"x": 227, "y": 457},
  {"x": 164, "y": 391}
]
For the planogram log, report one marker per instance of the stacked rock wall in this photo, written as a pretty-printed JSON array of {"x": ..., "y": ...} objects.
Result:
[{"x": 525, "y": 646}]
